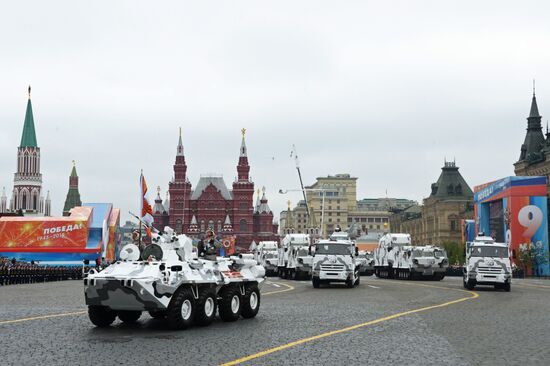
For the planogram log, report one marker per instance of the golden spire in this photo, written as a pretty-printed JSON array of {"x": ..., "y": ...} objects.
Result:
[
  {"x": 158, "y": 189},
  {"x": 258, "y": 192},
  {"x": 243, "y": 131},
  {"x": 288, "y": 202}
]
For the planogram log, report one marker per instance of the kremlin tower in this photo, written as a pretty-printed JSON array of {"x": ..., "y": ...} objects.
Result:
[{"x": 27, "y": 185}]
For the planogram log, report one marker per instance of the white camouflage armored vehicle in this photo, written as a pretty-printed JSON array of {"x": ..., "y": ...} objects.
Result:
[
  {"x": 167, "y": 280},
  {"x": 295, "y": 257},
  {"x": 266, "y": 254},
  {"x": 365, "y": 259},
  {"x": 487, "y": 263},
  {"x": 334, "y": 260},
  {"x": 396, "y": 258}
]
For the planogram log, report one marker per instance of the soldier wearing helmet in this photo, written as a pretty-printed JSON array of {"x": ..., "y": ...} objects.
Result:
[{"x": 209, "y": 246}]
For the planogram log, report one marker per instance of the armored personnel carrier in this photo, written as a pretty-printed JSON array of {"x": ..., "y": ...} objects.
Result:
[{"x": 167, "y": 280}]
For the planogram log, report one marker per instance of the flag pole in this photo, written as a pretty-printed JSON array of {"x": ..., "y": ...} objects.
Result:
[{"x": 140, "y": 203}]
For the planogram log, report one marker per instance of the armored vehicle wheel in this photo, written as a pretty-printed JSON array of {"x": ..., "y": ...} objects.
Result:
[
  {"x": 181, "y": 309},
  {"x": 101, "y": 316},
  {"x": 230, "y": 304},
  {"x": 129, "y": 316},
  {"x": 251, "y": 302},
  {"x": 206, "y": 307},
  {"x": 358, "y": 281},
  {"x": 350, "y": 282},
  {"x": 158, "y": 314},
  {"x": 507, "y": 287},
  {"x": 468, "y": 285},
  {"x": 316, "y": 282}
]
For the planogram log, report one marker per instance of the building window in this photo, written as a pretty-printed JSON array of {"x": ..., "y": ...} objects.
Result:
[
  {"x": 378, "y": 227},
  {"x": 453, "y": 225},
  {"x": 202, "y": 226},
  {"x": 219, "y": 226},
  {"x": 211, "y": 224},
  {"x": 178, "y": 226},
  {"x": 329, "y": 220},
  {"x": 337, "y": 213},
  {"x": 242, "y": 225},
  {"x": 364, "y": 219}
]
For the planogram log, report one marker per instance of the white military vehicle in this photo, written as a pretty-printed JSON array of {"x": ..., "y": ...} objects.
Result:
[
  {"x": 487, "y": 263},
  {"x": 386, "y": 254},
  {"x": 295, "y": 257},
  {"x": 334, "y": 260},
  {"x": 421, "y": 262},
  {"x": 395, "y": 257},
  {"x": 266, "y": 254},
  {"x": 167, "y": 280},
  {"x": 365, "y": 260}
]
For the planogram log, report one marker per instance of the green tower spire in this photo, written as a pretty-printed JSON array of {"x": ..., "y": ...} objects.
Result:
[
  {"x": 73, "y": 196},
  {"x": 28, "y": 139}
]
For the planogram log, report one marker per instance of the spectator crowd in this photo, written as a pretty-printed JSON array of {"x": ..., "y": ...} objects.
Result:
[{"x": 13, "y": 272}]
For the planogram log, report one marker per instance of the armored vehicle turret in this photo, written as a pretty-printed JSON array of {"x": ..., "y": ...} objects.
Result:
[{"x": 167, "y": 280}]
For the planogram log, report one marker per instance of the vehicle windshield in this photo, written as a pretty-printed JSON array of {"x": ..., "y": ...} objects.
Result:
[
  {"x": 303, "y": 252},
  {"x": 270, "y": 255},
  {"x": 337, "y": 249},
  {"x": 490, "y": 251},
  {"x": 438, "y": 253}
]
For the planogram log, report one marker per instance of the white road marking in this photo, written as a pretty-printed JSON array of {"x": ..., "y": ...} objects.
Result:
[
  {"x": 373, "y": 286},
  {"x": 274, "y": 284}
]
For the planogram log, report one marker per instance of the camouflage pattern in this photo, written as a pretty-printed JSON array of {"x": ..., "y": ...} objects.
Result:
[
  {"x": 488, "y": 270},
  {"x": 266, "y": 254},
  {"x": 294, "y": 259},
  {"x": 150, "y": 284},
  {"x": 336, "y": 267}
]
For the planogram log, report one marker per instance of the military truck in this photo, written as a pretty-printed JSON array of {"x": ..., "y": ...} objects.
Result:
[
  {"x": 334, "y": 260},
  {"x": 266, "y": 254},
  {"x": 295, "y": 257},
  {"x": 487, "y": 263},
  {"x": 167, "y": 280},
  {"x": 395, "y": 257},
  {"x": 365, "y": 259}
]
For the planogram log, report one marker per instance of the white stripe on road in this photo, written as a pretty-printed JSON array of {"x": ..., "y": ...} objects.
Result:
[
  {"x": 274, "y": 284},
  {"x": 371, "y": 286}
]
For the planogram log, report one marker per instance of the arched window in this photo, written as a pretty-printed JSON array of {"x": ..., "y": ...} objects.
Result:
[
  {"x": 458, "y": 189},
  {"x": 211, "y": 224},
  {"x": 34, "y": 201},
  {"x": 202, "y": 226},
  {"x": 178, "y": 226},
  {"x": 450, "y": 189},
  {"x": 24, "y": 201},
  {"x": 219, "y": 226},
  {"x": 242, "y": 225}
]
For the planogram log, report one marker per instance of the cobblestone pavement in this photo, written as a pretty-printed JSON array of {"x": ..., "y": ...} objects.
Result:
[{"x": 455, "y": 327}]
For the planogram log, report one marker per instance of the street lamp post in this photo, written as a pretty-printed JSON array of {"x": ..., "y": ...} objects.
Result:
[{"x": 323, "y": 191}]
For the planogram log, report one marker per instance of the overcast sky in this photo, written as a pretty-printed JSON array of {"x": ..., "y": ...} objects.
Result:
[{"x": 383, "y": 90}]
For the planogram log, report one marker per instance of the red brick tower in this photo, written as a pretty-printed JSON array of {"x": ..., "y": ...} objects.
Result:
[
  {"x": 243, "y": 192},
  {"x": 180, "y": 193}
]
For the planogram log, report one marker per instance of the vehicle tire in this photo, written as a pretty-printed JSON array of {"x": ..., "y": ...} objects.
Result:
[
  {"x": 507, "y": 287},
  {"x": 469, "y": 286},
  {"x": 349, "y": 283},
  {"x": 158, "y": 314},
  {"x": 316, "y": 282},
  {"x": 251, "y": 302},
  {"x": 181, "y": 310},
  {"x": 129, "y": 316},
  {"x": 358, "y": 281},
  {"x": 230, "y": 304},
  {"x": 101, "y": 316},
  {"x": 206, "y": 307}
]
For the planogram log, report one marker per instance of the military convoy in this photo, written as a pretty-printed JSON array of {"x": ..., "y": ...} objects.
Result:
[
  {"x": 395, "y": 257},
  {"x": 487, "y": 263},
  {"x": 335, "y": 260},
  {"x": 295, "y": 259},
  {"x": 168, "y": 280},
  {"x": 266, "y": 254}
]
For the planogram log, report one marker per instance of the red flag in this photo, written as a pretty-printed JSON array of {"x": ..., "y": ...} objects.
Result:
[{"x": 146, "y": 210}]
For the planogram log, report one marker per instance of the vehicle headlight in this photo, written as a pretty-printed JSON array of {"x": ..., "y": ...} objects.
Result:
[
  {"x": 415, "y": 261},
  {"x": 300, "y": 260}
]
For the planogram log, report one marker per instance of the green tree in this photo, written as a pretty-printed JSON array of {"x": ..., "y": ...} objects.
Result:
[{"x": 455, "y": 252}]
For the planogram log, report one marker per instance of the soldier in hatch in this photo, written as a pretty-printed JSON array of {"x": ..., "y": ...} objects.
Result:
[{"x": 208, "y": 247}]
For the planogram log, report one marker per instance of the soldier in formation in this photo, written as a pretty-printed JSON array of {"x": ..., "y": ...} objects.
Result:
[{"x": 13, "y": 272}]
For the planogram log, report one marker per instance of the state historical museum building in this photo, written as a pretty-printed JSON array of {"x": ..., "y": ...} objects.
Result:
[{"x": 211, "y": 205}]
